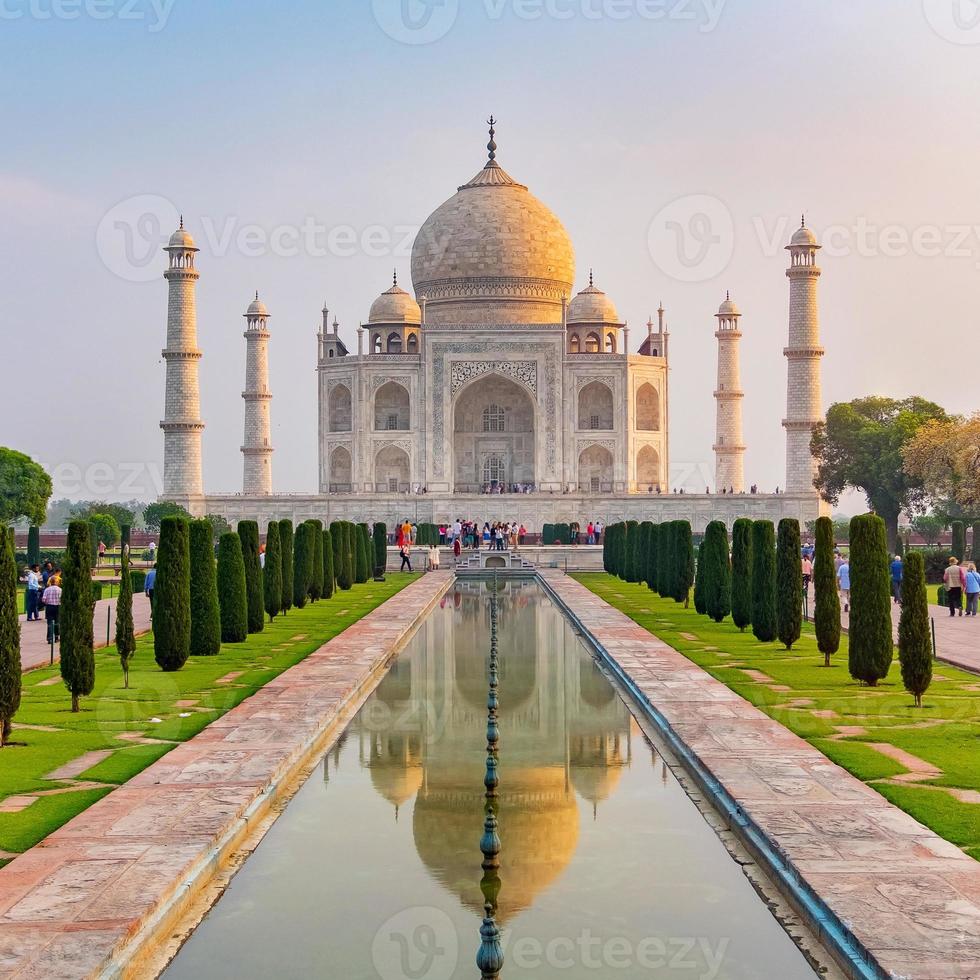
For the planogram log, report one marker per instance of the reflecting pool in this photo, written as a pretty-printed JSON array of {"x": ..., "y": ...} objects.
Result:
[{"x": 606, "y": 868}]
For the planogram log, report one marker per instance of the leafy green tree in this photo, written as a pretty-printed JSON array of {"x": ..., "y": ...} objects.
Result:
[
  {"x": 861, "y": 445},
  {"x": 914, "y": 638},
  {"x": 651, "y": 558},
  {"x": 826, "y": 602},
  {"x": 959, "y": 539},
  {"x": 929, "y": 527},
  {"x": 106, "y": 528},
  {"x": 316, "y": 548},
  {"x": 155, "y": 513},
  {"x": 218, "y": 524},
  {"x": 125, "y": 634},
  {"x": 302, "y": 564},
  {"x": 789, "y": 582},
  {"x": 272, "y": 572},
  {"x": 205, "y": 610},
  {"x": 362, "y": 554},
  {"x": 742, "y": 573},
  {"x": 232, "y": 598},
  {"x": 286, "y": 549},
  {"x": 120, "y": 513},
  {"x": 764, "y": 581},
  {"x": 172, "y": 595},
  {"x": 25, "y": 488},
  {"x": 75, "y": 615},
  {"x": 248, "y": 534},
  {"x": 10, "y": 666},
  {"x": 381, "y": 545},
  {"x": 329, "y": 575},
  {"x": 870, "y": 649},
  {"x": 700, "y": 574},
  {"x": 718, "y": 580},
  {"x": 33, "y": 545}
]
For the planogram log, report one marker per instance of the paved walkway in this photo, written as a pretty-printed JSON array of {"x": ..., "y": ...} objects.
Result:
[
  {"x": 35, "y": 652},
  {"x": 71, "y": 907},
  {"x": 910, "y": 898}
]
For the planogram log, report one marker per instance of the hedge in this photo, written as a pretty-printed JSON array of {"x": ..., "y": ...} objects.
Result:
[
  {"x": 172, "y": 595},
  {"x": 302, "y": 564},
  {"x": 286, "y": 553},
  {"x": 789, "y": 582},
  {"x": 380, "y": 536},
  {"x": 205, "y": 614},
  {"x": 248, "y": 534},
  {"x": 742, "y": 573},
  {"x": 764, "y": 581},
  {"x": 870, "y": 649},
  {"x": 232, "y": 599},
  {"x": 316, "y": 548},
  {"x": 718, "y": 569},
  {"x": 272, "y": 572},
  {"x": 362, "y": 554},
  {"x": 826, "y": 601},
  {"x": 329, "y": 576}
]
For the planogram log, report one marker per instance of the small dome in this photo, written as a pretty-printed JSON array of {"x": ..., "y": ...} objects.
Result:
[
  {"x": 395, "y": 306},
  {"x": 728, "y": 308},
  {"x": 803, "y": 236},
  {"x": 256, "y": 308},
  {"x": 181, "y": 238},
  {"x": 592, "y": 305}
]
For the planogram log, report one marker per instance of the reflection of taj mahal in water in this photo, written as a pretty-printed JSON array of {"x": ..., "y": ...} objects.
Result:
[
  {"x": 563, "y": 734},
  {"x": 492, "y": 373}
]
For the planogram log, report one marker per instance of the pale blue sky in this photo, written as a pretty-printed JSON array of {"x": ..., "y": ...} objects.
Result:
[{"x": 278, "y": 114}]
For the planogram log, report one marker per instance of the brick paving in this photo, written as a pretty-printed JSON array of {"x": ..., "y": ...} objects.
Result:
[
  {"x": 71, "y": 906},
  {"x": 910, "y": 898}
]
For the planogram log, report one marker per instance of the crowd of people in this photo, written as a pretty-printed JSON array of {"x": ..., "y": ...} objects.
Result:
[{"x": 43, "y": 591}]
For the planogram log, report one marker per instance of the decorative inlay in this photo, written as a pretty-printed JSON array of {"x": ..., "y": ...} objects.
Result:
[
  {"x": 524, "y": 372},
  {"x": 382, "y": 379},
  {"x": 583, "y": 379}
]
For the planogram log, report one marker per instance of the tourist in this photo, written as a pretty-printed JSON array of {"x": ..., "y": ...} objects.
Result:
[
  {"x": 590, "y": 533},
  {"x": 46, "y": 573},
  {"x": 807, "y": 567},
  {"x": 433, "y": 558},
  {"x": 52, "y": 606},
  {"x": 896, "y": 570},
  {"x": 486, "y": 535},
  {"x": 521, "y": 535},
  {"x": 599, "y": 527},
  {"x": 101, "y": 560},
  {"x": 262, "y": 556},
  {"x": 405, "y": 553},
  {"x": 972, "y": 589},
  {"x": 457, "y": 548},
  {"x": 151, "y": 578},
  {"x": 953, "y": 580},
  {"x": 844, "y": 583},
  {"x": 33, "y": 593},
  {"x": 153, "y": 550}
]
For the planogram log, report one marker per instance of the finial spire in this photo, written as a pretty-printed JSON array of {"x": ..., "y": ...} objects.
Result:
[
  {"x": 728, "y": 295},
  {"x": 394, "y": 277},
  {"x": 256, "y": 294},
  {"x": 492, "y": 146},
  {"x": 803, "y": 221},
  {"x": 590, "y": 279},
  {"x": 181, "y": 222}
]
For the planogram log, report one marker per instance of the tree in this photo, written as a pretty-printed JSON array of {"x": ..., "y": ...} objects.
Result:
[
  {"x": 870, "y": 632},
  {"x": 316, "y": 548},
  {"x": 718, "y": 578},
  {"x": 33, "y": 545},
  {"x": 337, "y": 539},
  {"x": 10, "y": 666},
  {"x": 826, "y": 602},
  {"x": 83, "y": 511},
  {"x": 302, "y": 564},
  {"x": 975, "y": 546},
  {"x": 362, "y": 554},
  {"x": 125, "y": 634},
  {"x": 929, "y": 527},
  {"x": 914, "y": 638},
  {"x": 205, "y": 610},
  {"x": 125, "y": 533},
  {"x": 346, "y": 580},
  {"x": 861, "y": 445},
  {"x": 683, "y": 561},
  {"x": 958, "y": 547},
  {"x": 75, "y": 615},
  {"x": 172, "y": 595},
  {"x": 651, "y": 558},
  {"x": 155, "y": 514},
  {"x": 106, "y": 528},
  {"x": 665, "y": 560},
  {"x": 631, "y": 556},
  {"x": 286, "y": 549},
  {"x": 329, "y": 575},
  {"x": 764, "y": 581},
  {"x": 701, "y": 573},
  {"x": 789, "y": 582},
  {"x": 25, "y": 488},
  {"x": 944, "y": 454},
  {"x": 381, "y": 547},
  {"x": 272, "y": 572},
  {"x": 742, "y": 573},
  {"x": 219, "y": 526},
  {"x": 232, "y": 599},
  {"x": 248, "y": 534}
]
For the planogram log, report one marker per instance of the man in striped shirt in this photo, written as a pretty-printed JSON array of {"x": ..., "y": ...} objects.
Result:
[{"x": 52, "y": 606}]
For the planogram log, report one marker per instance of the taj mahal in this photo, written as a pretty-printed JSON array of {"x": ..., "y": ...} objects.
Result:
[{"x": 493, "y": 375}]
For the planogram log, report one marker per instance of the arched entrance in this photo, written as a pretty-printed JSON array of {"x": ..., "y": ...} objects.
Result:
[
  {"x": 595, "y": 470},
  {"x": 340, "y": 470},
  {"x": 493, "y": 434},
  {"x": 647, "y": 469},
  {"x": 391, "y": 470}
]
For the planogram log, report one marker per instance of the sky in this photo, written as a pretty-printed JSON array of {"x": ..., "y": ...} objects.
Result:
[{"x": 679, "y": 141}]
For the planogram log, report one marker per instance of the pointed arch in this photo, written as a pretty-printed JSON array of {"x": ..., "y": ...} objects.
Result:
[
  {"x": 340, "y": 470},
  {"x": 647, "y": 408},
  {"x": 339, "y": 410},
  {"x": 595, "y": 406}
]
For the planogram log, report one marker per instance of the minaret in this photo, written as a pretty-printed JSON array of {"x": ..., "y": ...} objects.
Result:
[
  {"x": 729, "y": 445},
  {"x": 182, "y": 425},
  {"x": 257, "y": 447},
  {"x": 803, "y": 397}
]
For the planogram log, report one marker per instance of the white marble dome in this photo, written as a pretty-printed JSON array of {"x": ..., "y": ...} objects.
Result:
[
  {"x": 592, "y": 305},
  {"x": 181, "y": 238},
  {"x": 394, "y": 305},
  {"x": 256, "y": 308},
  {"x": 803, "y": 236}
]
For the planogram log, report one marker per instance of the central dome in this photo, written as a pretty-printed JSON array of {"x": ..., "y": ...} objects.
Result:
[{"x": 493, "y": 253}]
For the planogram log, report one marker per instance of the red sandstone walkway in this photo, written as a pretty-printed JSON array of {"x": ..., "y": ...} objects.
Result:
[
  {"x": 911, "y": 898},
  {"x": 35, "y": 652},
  {"x": 71, "y": 906}
]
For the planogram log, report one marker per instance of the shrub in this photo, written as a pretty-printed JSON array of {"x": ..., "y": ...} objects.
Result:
[
  {"x": 138, "y": 579},
  {"x": 914, "y": 638},
  {"x": 622, "y": 549},
  {"x": 650, "y": 574},
  {"x": 232, "y": 599},
  {"x": 683, "y": 555},
  {"x": 10, "y": 667},
  {"x": 609, "y": 548},
  {"x": 665, "y": 560},
  {"x": 548, "y": 534},
  {"x": 629, "y": 550},
  {"x": 644, "y": 535},
  {"x": 172, "y": 595},
  {"x": 362, "y": 559},
  {"x": 700, "y": 607},
  {"x": 302, "y": 564},
  {"x": 826, "y": 608},
  {"x": 329, "y": 577},
  {"x": 381, "y": 545},
  {"x": 718, "y": 580},
  {"x": 563, "y": 533},
  {"x": 936, "y": 561},
  {"x": 742, "y": 573},
  {"x": 272, "y": 572},
  {"x": 205, "y": 614},
  {"x": 286, "y": 561},
  {"x": 125, "y": 635},
  {"x": 763, "y": 581},
  {"x": 870, "y": 633},
  {"x": 789, "y": 582},
  {"x": 96, "y": 591},
  {"x": 316, "y": 550},
  {"x": 959, "y": 540},
  {"x": 248, "y": 534},
  {"x": 33, "y": 545},
  {"x": 75, "y": 615},
  {"x": 345, "y": 574}
]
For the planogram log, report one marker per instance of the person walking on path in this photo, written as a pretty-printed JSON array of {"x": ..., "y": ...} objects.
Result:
[
  {"x": 52, "y": 606},
  {"x": 807, "y": 567},
  {"x": 972, "y": 589},
  {"x": 151, "y": 579},
  {"x": 405, "y": 553},
  {"x": 953, "y": 580},
  {"x": 844, "y": 584},
  {"x": 896, "y": 570},
  {"x": 102, "y": 550},
  {"x": 33, "y": 593}
]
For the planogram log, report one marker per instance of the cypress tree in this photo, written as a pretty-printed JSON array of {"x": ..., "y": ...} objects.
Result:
[
  {"x": 125, "y": 635},
  {"x": 914, "y": 639},
  {"x": 976, "y": 542},
  {"x": 248, "y": 534},
  {"x": 172, "y": 595},
  {"x": 632, "y": 551},
  {"x": 347, "y": 555},
  {"x": 272, "y": 572},
  {"x": 612, "y": 532},
  {"x": 337, "y": 539},
  {"x": 665, "y": 560},
  {"x": 316, "y": 549},
  {"x": 826, "y": 601},
  {"x": 231, "y": 589},
  {"x": 10, "y": 667},
  {"x": 605, "y": 549},
  {"x": 125, "y": 533},
  {"x": 718, "y": 578},
  {"x": 764, "y": 581},
  {"x": 381, "y": 545},
  {"x": 622, "y": 551},
  {"x": 205, "y": 615},
  {"x": 75, "y": 614},
  {"x": 789, "y": 582},
  {"x": 642, "y": 558},
  {"x": 286, "y": 562},
  {"x": 742, "y": 573},
  {"x": 701, "y": 572},
  {"x": 870, "y": 634},
  {"x": 33, "y": 545},
  {"x": 959, "y": 540},
  {"x": 329, "y": 576},
  {"x": 651, "y": 567},
  {"x": 362, "y": 560},
  {"x": 683, "y": 562},
  {"x": 302, "y": 564}
]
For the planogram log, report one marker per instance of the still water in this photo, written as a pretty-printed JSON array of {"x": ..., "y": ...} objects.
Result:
[{"x": 606, "y": 867}]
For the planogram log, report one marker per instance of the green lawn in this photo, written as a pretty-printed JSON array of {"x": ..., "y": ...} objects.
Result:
[
  {"x": 149, "y": 709},
  {"x": 945, "y": 732}
]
